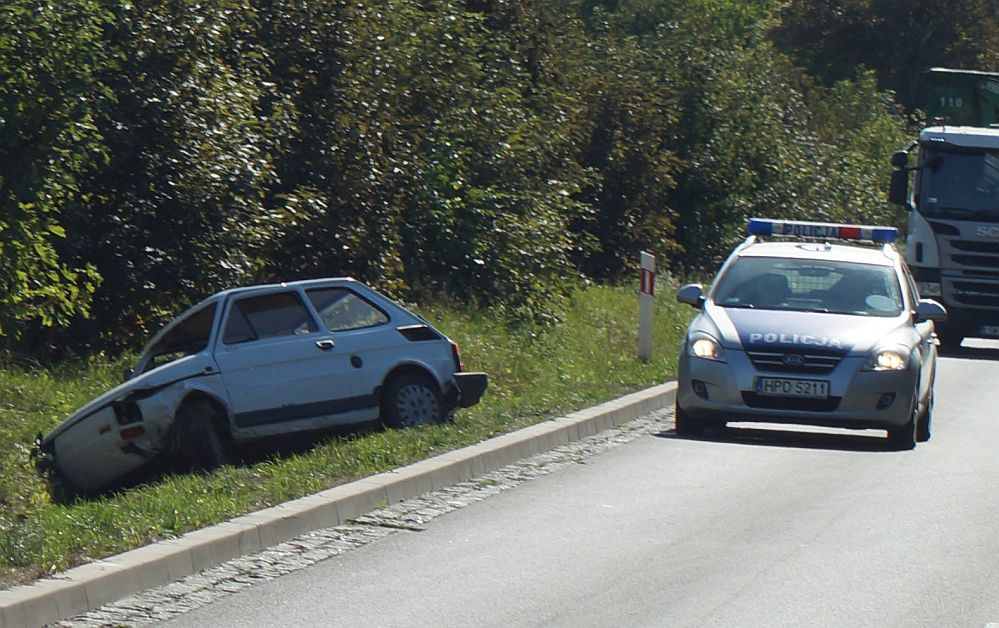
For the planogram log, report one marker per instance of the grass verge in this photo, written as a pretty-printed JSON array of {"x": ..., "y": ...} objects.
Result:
[{"x": 535, "y": 373}]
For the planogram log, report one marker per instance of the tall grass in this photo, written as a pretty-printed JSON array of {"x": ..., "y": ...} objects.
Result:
[{"x": 535, "y": 373}]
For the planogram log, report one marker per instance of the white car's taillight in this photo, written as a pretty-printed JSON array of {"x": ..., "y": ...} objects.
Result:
[{"x": 456, "y": 352}]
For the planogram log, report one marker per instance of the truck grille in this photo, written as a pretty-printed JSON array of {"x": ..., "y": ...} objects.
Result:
[
  {"x": 968, "y": 255},
  {"x": 980, "y": 292},
  {"x": 970, "y": 276},
  {"x": 813, "y": 362}
]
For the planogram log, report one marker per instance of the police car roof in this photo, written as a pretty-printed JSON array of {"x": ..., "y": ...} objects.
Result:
[{"x": 832, "y": 252}]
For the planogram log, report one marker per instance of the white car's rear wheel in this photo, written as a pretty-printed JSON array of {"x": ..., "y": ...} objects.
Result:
[{"x": 411, "y": 400}]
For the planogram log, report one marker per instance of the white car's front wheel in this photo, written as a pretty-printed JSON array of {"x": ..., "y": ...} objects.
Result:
[{"x": 198, "y": 446}]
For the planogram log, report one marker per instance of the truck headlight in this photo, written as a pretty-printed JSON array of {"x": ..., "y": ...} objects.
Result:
[
  {"x": 890, "y": 359},
  {"x": 704, "y": 346}
]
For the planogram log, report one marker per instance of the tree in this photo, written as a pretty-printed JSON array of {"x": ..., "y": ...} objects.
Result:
[
  {"x": 898, "y": 39},
  {"x": 49, "y": 59},
  {"x": 177, "y": 211}
]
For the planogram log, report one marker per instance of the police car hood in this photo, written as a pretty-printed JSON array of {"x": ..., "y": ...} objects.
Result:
[{"x": 742, "y": 328}]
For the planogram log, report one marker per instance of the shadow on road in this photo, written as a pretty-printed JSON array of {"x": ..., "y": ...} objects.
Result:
[
  {"x": 974, "y": 350},
  {"x": 789, "y": 437}
]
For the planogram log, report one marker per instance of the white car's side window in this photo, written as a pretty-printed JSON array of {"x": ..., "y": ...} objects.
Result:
[
  {"x": 341, "y": 309},
  {"x": 268, "y": 316}
]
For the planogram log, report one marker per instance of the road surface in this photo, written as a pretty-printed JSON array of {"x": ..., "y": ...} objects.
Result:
[{"x": 749, "y": 526}]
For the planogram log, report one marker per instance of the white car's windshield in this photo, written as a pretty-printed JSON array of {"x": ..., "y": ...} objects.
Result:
[
  {"x": 187, "y": 336},
  {"x": 810, "y": 285}
]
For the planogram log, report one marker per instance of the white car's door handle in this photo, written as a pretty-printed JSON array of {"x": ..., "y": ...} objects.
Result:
[{"x": 326, "y": 344}]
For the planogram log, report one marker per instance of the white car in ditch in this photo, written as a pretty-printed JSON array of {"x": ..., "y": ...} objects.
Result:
[{"x": 258, "y": 362}]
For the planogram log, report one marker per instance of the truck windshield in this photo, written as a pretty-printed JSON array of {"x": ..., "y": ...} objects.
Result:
[{"x": 960, "y": 185}]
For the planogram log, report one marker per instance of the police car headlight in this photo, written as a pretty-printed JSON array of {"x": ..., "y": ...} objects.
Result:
[
  {"x": 704, "y": 346},
  {"x": 891, "y": 359}
]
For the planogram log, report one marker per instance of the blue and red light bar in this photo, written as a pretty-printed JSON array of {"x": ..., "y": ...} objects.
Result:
[{"x": 805, "y": 229}]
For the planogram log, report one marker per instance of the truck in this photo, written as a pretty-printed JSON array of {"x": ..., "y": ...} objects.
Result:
[{"x": 951, "y": 194}]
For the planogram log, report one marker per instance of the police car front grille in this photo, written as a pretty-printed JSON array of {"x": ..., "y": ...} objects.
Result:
[
  {"x": 754, "y": 400},
  {"x": 778, "y": 361}
]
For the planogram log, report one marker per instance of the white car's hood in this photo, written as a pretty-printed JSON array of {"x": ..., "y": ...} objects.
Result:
[{"x": 184, "y": 368}]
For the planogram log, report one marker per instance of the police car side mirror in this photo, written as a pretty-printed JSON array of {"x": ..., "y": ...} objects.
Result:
[
  {"x": 930, "y": 310},
  {"x": 691, "y": 294}
]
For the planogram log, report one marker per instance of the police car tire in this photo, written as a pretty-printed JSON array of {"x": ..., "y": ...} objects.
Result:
[
  {"x": 685, "y": 425},
  {"x": 923, "y": 420},
  {"x": 905, "y": 437}
]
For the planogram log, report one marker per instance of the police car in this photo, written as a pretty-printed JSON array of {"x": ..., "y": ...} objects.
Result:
[{"x": 811, "y": 323}]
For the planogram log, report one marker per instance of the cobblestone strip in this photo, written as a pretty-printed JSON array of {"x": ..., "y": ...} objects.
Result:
[{"x": 165, "y": 602}]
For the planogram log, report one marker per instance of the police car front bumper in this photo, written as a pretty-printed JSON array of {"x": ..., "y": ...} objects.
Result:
[{"x": 726, "y": 391}]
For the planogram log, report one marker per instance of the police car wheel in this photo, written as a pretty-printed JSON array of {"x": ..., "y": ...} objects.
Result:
[
  {"x": 905, "y": 437},
  {"x": 685, "y": 425},
  {"x": 923, "y": 420}
]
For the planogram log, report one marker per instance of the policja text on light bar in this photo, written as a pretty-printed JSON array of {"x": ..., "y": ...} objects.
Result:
[{"x": 805, "y": 229}]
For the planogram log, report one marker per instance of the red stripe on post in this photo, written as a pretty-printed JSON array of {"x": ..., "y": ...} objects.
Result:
[{"x": 648, "y": 282}]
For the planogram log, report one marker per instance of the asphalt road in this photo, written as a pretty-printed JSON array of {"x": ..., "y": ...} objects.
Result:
[{"x": 755, "y": 526}]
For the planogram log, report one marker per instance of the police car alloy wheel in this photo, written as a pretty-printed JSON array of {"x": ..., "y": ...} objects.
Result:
[{"x": 810, "y": 323}]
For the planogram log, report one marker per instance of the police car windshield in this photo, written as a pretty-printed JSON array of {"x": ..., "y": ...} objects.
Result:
[{"x": 773, "y": 283}]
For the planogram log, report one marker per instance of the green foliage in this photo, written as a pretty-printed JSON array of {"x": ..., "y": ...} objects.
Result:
[
  {"x": 177, "y": 210},
  {"x": 897, "y": 39},
  {"x": 492, "y": 152},
  {"x": 420, "y": 160},
  {"x": 48, "y": 54}
]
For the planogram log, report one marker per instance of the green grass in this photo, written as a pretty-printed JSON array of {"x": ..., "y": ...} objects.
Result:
[{"x": 534, "y": 374}]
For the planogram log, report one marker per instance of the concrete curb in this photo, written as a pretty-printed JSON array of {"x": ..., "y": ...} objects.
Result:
[{"x": 90, "y": 586}]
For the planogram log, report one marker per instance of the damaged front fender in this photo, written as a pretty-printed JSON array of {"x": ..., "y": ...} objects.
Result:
[{"x": 127, "y": 430}]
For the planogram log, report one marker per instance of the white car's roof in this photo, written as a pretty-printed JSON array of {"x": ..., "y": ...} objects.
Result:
[
  {"x": 797, "y": 249},
  {"x": 303, "y": 283}
]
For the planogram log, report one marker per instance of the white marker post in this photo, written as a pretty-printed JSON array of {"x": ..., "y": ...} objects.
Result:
[{"x": 647, "y": 290}]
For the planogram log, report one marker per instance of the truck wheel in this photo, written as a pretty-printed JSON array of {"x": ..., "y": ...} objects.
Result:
[
  {"x": 410, "y": 400},
  {"x": 198, "y": 445},
  {"x": 950, "y": 337}
]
